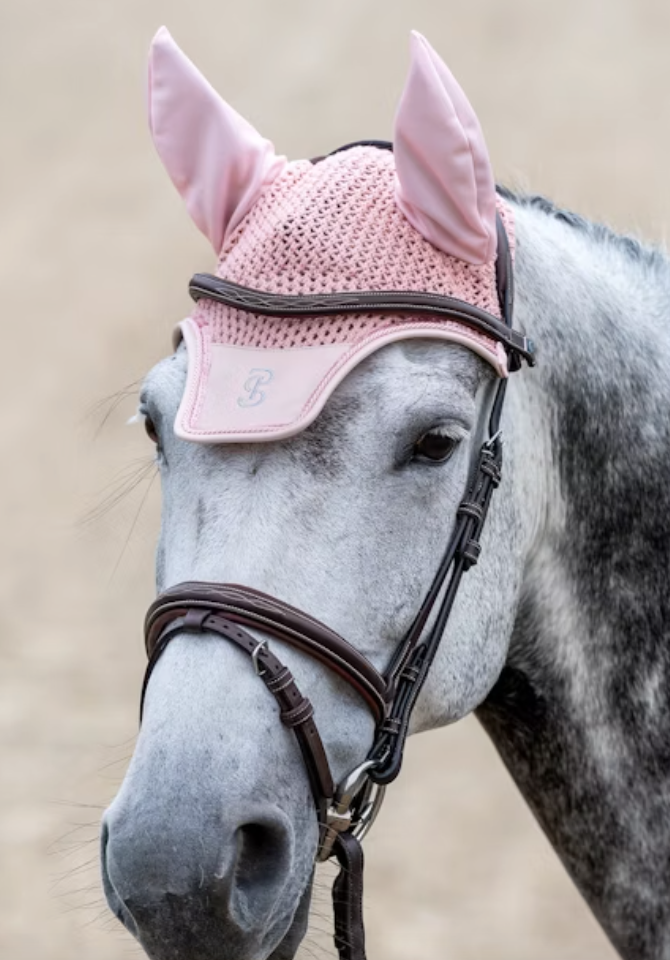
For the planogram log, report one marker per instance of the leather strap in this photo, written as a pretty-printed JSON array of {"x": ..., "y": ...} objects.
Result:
[
  {"x": 409, "y": 667},
  {"x": 207, "y": 286},
  {"x": 348, "y": 899},
  {"x": 255, "y": 609},
  {"x": 295, "y": 710}
]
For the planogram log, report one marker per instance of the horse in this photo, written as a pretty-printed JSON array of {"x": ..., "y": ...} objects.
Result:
[{"x": 557, "y": 638}]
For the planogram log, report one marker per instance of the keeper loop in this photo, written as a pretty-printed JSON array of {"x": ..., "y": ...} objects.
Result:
[
  {"x": 471, "y": 509},
  {"x": 391, "y": 725},
  {"x": 195, "y": 618},
  {"x": 298, "y": 715},
  {"x": 279, "y": 682},
  {"x": 491, "y": 469},
  {"x": 471, "y": 552}
]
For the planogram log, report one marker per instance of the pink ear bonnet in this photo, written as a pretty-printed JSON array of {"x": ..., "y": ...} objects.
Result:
[{"x": 419, "y": 218}]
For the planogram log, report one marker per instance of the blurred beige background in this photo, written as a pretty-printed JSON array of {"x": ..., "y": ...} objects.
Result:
[{"x": 95, "y": 254}]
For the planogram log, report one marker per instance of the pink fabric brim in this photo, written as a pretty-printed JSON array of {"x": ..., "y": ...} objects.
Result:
[{"x": 240, "y": 394}]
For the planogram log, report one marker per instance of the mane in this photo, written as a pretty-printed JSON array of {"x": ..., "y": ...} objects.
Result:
[{"x": 643, "y": 254}]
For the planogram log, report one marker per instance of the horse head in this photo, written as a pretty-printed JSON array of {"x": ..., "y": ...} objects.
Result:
[{"x": 323, "y": 461}]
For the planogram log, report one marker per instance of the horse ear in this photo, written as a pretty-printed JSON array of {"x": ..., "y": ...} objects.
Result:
[
  {"x": 445, "y": 183},
  {"x": 217, "y": 161}
]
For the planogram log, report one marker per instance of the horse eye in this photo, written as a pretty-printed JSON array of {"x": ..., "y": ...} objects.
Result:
[
  {"x": 151, "y": 431},
  {"x": 436, "y": 447}
]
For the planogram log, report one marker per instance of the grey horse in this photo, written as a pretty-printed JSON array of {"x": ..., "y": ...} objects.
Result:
[{"x": 559, "y": 638}]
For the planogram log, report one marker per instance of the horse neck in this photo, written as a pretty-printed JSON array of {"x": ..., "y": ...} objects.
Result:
[{"x": 581, "y": 713}]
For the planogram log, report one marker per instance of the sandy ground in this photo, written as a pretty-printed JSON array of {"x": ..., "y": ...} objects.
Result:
[{"x": 95, "y": 255}]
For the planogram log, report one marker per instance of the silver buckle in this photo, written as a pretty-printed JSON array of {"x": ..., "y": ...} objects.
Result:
[
  {"x": 354, "y": 807},
  {"x": 255, "y": 653}
]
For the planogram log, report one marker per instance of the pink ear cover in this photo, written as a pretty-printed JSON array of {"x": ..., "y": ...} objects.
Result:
[
  {"x": 445, "y": 184},
  {"x": 319, "y": 228},
  {"x": 217, "y": 161}
]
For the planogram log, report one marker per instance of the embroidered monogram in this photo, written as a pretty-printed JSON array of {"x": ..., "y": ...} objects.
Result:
[{"x": 257, "y": 377}]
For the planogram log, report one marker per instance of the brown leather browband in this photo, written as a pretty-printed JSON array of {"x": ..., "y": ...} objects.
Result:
[{"x": 207, "y": 286}]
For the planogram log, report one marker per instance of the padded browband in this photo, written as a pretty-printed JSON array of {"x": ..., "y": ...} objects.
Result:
[{"x": 207, "y": 286}]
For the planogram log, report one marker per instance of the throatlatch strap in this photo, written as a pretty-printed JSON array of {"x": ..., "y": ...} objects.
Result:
[{"x": 348, "y": 898}]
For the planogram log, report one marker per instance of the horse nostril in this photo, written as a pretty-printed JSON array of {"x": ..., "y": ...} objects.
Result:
[
  {"x": 261, "y": 867},
  {"x": 166, "y": 882}
]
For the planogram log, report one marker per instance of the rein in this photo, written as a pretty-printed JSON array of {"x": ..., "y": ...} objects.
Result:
[{"x": 347, "y": 810}]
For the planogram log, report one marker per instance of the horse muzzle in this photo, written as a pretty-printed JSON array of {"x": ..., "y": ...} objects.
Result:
[{"x": 203, "y": 889}]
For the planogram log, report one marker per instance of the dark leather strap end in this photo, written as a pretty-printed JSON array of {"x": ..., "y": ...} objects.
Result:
[{"x": 348, "y": 898}]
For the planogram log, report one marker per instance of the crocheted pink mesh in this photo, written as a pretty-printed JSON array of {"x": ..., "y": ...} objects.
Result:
[
  {"x": 329, "y": 227},
  {"x": 319, "y": 228}
]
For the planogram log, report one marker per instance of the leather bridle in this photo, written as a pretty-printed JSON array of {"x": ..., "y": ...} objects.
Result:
[{"x": 346, "y": 811}]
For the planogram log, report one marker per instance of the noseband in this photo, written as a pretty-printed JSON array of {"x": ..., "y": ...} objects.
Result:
[{"x": 346, "y": 811}]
